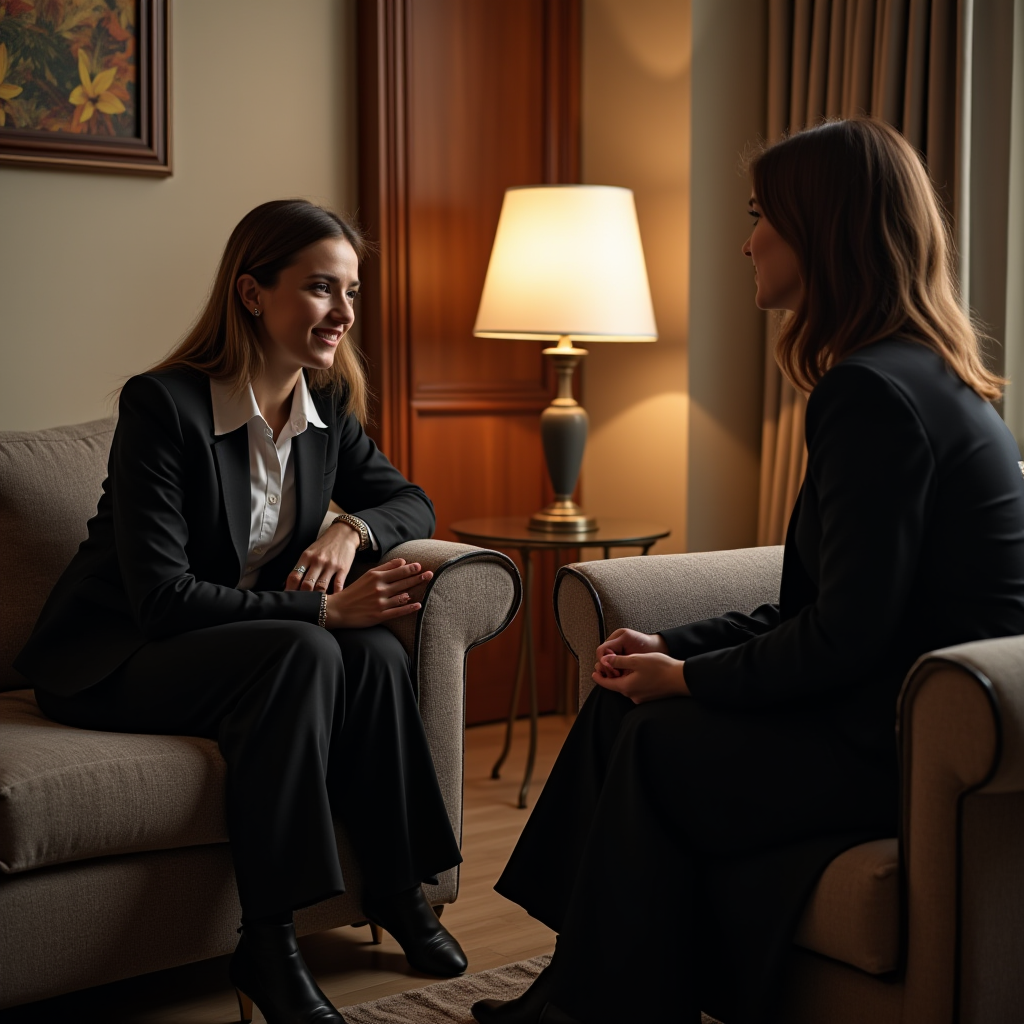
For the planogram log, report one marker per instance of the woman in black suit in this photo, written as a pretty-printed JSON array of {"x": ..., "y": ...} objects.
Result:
[
  {"x": 719, "y": 766},
  {"x": 212, "y": 598}
]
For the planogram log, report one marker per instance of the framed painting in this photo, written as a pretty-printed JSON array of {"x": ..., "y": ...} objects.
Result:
[{"x": 84, "y": 85}]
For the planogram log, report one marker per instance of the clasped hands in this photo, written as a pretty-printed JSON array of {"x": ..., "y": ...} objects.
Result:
[
  {"x": 380, "y": 594},
  {"x": 637, "y": 666}
]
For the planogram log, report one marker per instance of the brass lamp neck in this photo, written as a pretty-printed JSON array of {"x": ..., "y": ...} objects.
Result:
[{"x": 566, "y": 358}]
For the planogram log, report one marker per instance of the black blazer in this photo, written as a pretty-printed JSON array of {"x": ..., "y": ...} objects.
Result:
[
  {"x": 167, "y": 545},
  {"x": 907, "y": 536}
]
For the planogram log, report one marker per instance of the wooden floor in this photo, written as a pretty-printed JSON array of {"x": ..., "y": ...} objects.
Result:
[{"x": 350, "y": 970}]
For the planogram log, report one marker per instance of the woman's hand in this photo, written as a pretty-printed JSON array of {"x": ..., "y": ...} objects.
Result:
[
  {"x": 377, "y": 596},
  {"x": 636, "y": 665},
  {"x": 627, "y": 641},
  {"x": 328, "y": 559}
]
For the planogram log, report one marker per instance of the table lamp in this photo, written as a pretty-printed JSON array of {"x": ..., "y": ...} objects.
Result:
[{"x": 567, "y": 265}]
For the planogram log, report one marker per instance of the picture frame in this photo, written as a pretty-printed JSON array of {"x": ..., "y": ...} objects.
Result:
[{"x": 85, "y": 85}]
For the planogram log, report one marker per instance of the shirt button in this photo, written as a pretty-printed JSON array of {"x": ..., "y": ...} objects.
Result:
[
  {"x": 272, "y": 499},
  {"x": 270, "y": 433},
  {"x": 258, "y": 551}
]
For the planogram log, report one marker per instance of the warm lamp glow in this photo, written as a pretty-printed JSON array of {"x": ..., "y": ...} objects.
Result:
[{"x": 567, "y": 263}]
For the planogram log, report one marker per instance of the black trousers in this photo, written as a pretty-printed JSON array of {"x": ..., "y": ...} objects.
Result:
[
  {"x": 310, "y": 723},
  {"x": 674, "y": 846}
]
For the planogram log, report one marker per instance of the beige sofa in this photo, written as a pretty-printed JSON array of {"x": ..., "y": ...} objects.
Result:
[
  {"x": 924, "y": 929},
  {"x": 113, "y": 850}
]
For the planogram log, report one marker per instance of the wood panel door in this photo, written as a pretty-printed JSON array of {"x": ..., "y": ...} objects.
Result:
[{"x": 458, "y": 100}]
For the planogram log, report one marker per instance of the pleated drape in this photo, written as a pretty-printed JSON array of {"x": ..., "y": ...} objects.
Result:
[{"x": 898, "y": 60}]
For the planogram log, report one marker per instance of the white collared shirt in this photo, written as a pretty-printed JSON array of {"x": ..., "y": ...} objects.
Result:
[{"x": 272, "y": 505}]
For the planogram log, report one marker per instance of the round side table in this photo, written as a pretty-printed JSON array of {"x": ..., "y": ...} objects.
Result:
[{"x": 513, "y": 533}]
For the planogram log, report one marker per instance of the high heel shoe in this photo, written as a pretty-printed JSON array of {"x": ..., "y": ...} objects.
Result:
[
  {"x": 494, "y": 1011},
  {"x": 428, "y": 945},
  {"x": 267, "y": 969},
  {"x": 532, "y": 1007}
]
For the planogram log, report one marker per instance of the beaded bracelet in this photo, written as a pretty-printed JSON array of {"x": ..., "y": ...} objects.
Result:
[{"x": 322, "y": 621}]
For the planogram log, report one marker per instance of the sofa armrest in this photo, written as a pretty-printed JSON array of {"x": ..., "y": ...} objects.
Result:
[
  {"x": 653, "y": 592},
  {"x": 961, "y": 735},
  {"x": 474, "y": 594},
  {"x": 995, "y": 669}
]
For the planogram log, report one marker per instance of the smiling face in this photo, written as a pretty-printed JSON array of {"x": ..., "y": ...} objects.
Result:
[
  {"x": 305, "y": 315},
  {"x": 776, "y": 268}
]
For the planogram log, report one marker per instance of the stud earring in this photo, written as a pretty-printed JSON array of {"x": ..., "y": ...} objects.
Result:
[{"x": 255, "y": 311}]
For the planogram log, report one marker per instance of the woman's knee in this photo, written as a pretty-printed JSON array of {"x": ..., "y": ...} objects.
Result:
[
  {"x": 375, "y": 645},
  {"x": 310, "y": 645},
  {"x": 665, "y": 734},
  {"x": 605, "y": 703}
]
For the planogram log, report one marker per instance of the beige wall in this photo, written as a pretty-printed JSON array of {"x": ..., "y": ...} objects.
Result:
[
  {"x": 673, "y": 93},
  {"x": 636, "y": 133},
  {"x": 101, "y": 274},
  {"x": 726, "y": 349}
]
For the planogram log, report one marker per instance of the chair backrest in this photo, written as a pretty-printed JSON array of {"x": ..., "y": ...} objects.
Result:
[{"x": 50, "y": 482}]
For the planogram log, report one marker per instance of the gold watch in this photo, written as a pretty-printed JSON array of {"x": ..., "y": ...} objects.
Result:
[{"x": 358, "y": 525}]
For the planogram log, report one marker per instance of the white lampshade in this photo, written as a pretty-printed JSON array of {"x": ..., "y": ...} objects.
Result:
[{"x": 567, "y": 261}]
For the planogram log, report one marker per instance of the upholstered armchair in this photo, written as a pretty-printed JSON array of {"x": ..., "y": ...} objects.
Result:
[
  {"x": 114, "y": 858},
  {"x": 924, "y": 928}
]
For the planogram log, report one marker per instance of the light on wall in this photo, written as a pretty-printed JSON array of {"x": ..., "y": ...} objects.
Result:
[{"x": 567, "y": 265}]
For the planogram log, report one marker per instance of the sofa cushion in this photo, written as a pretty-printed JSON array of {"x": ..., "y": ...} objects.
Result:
[
  {"x": 854, "y": 913},
  {"x": 50, "y": 482},
  {"x": 69, "y": 794}
]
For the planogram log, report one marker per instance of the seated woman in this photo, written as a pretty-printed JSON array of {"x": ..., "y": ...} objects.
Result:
[
  {"x": 718, "y": 767},
  {"x": 212, "y": 598}
]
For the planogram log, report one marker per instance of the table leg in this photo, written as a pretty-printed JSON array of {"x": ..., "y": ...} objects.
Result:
[
  {"x": 525, "y": 654},
  {"x": 531, "y": 655}
]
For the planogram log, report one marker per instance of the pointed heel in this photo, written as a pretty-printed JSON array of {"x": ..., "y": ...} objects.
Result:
[
  {"x": 244, "y": 1007},
  {"x": 267, "y": 969},
  {"x": 412, "y": 922},
  {"x": 375, "y": 933}
]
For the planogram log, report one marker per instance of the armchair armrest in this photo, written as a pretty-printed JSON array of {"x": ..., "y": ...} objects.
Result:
[
  {"x": 961, "y": 737},
  {"x": 474, "y": 594},
  {"x": 648, "y": 593}
]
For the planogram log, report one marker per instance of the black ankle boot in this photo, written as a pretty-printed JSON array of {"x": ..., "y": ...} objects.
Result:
[
  {"x": 532, "y": 1007},
  {"x": 267, "y": 969},
  {"x": 428, "y": 945}
]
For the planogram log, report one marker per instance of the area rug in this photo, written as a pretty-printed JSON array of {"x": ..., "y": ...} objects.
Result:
[{"x": 448, "y": 1002}]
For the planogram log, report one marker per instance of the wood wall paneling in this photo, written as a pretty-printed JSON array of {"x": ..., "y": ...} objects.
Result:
[{"x": 459, "y": 100}]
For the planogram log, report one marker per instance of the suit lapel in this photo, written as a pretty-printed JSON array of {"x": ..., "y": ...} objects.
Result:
[
  {"x": 232, "y": 454},
  {"x": 309, "y": 450}
]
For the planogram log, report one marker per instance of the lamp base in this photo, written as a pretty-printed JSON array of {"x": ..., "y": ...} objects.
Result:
[{"x": 562, "y": 516}]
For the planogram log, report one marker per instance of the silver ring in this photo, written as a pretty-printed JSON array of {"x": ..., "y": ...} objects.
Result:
[{"x": 300, "y": 569}]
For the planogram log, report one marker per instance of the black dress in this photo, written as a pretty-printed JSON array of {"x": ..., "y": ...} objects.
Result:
[
  {"x": 146, "y": 631},
  {"x": 676, "y": 842}
]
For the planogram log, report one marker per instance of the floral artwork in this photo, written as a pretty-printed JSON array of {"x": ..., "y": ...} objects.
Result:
[
  {"x": 69, "y": 66},
  {"x": 83, "y": 83}
]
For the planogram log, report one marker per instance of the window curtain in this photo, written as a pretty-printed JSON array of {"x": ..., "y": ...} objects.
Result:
[{"x": 898, "y": 60}]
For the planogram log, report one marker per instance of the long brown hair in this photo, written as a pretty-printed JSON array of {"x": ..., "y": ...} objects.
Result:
[
  {"x": 223, "y": 342},
  {"x": 854, "y": 201}
]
